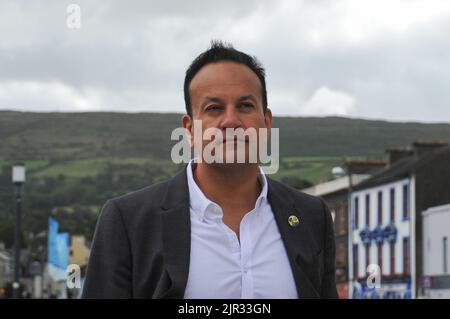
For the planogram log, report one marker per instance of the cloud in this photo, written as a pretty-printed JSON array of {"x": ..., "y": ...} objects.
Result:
[
  {"x": 325, "y": 101},
  {"x": 388, "y": 55},
  {"x": 45, "y": 96}
]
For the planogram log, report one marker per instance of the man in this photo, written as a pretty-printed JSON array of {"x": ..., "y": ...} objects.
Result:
[{"x": 216, "y": 230}]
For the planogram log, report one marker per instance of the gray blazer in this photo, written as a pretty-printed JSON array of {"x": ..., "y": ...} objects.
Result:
[{"x": 141, "y": 245}]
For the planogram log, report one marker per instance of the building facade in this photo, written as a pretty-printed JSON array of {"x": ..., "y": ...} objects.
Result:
[
  {"x": 436, "y": 252},
  {"x": 336, "y": 195},
  {"x": 381, "y": 235},
  {"x": 386, "y": 221},
  {"x": 6, "y": 269}
]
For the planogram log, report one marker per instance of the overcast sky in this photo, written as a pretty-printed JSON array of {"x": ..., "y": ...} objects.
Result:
[{"x": 381, "y": 59}]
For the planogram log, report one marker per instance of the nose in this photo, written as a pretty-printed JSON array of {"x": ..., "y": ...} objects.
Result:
[{"x": 230, "y": 119}]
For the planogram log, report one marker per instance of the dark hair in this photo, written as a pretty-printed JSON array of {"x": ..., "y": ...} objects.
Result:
[{"x": 220, "y": 51}]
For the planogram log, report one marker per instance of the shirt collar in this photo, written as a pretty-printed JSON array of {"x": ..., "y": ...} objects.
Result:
[{"x": 203, "y": 206}]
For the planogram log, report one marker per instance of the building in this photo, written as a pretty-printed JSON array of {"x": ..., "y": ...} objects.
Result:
[
  {"x": 6, "y": 269},
  {"x": 386, "y": 223},
  {"x": 79, "y": 252},
  {"x": 436, "y": 252},
  {"x": 336, "y": 194},
  {"x": 79, "y": 255}
]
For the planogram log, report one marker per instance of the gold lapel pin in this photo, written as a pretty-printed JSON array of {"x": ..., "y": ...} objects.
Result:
[{"x": 293, "y": 221}]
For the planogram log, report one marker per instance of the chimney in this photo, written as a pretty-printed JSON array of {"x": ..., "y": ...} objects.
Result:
[
  {"x": 398, "y": 153},
  {"x": 365, "y": 166},
  {"x": 425, "y": 146}
]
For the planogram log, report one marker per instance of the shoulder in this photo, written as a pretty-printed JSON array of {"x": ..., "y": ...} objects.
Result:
[
  {"x": 145, "y": 197},
  {"x": 137, "y": 207}
]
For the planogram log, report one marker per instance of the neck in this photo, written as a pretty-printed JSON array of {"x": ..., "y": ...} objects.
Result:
[{"x": 229, "y": 185}]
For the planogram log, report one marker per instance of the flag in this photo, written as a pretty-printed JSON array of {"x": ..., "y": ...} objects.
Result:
[{"x": 58, "y": 251}]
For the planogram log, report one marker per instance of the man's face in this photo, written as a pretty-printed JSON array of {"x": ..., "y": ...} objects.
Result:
[{"x": 226, "y": 95}]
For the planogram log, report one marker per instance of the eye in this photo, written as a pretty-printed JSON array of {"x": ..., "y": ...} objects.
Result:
[
  {"x": 213, "y": 107},
  {"x": 247, "y": 105}
]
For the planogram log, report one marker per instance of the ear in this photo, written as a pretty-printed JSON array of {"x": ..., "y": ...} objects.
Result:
[
  {"x": 188, "y": 124},
  {"x": 268, "y": 121}
]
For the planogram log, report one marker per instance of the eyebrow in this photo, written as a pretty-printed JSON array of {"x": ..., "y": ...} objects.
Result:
[
  {"x": 213, "y": 99},
  {"x": 219, "y": 100},
  {"x": 246, "y": 97}
]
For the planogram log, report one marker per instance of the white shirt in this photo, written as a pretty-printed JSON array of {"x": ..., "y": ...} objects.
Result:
[{"x": 221, "y": 267}]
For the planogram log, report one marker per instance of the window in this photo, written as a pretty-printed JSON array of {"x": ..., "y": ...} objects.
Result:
[
  {"x": 380, "y": 257},
  {"x": 340, "y": 255},
  {"x": 444, "y": 246},
  {"x": 367, "y": 257},
  {"x": 356, "y": 210},
  {"x": 405, "y": 201},
  {"x": 367, "y": 210},
  {"x": 392, "y": 201},
  {"x": 340, "y": 222},
  {"x": 392, "y": 254},
  {"x": 341, "y": 262},
  {"x": 406, "y": 254},
  {"x": 355, "y": 261},
  {"x": 380, "y": 208}
]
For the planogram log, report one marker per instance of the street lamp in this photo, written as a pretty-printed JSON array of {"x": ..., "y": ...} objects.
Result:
[
  {"x": 351, "y": 271},
  {"x": 18, "y": 179}
]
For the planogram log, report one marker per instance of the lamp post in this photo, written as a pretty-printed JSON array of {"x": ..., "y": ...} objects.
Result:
[
  {"x": 18, "y": 179},
  {"x": 352, "y": 273}
]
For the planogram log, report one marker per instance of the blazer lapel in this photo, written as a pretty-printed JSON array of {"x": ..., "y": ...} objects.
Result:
[
  {"x": 176, "y": 235},
  {"x": 296, "y": 240}
]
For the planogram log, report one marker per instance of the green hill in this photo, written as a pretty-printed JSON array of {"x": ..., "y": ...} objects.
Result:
[
  {"x": 68, "y": 136},
  {"x": 76, "y": 161}
]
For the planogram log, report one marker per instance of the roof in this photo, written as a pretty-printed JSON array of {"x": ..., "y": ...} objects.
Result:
[
  {"x": 430, "y": 142},
  {"x": 367, "y": 162},
  {"x": 334, "y": 185},
  {"x": 402, "y": 168},
  {"x": 437, "y": 210}
]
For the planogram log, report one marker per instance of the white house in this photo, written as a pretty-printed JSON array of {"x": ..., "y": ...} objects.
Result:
[
  {"x": 436, "y": 258},
  {"x": 386, "y": 220},
  {"x": 381, "y": 234}
]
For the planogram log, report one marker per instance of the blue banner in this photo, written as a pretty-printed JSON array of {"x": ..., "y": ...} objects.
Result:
[{"x": 58, "y": 246}]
